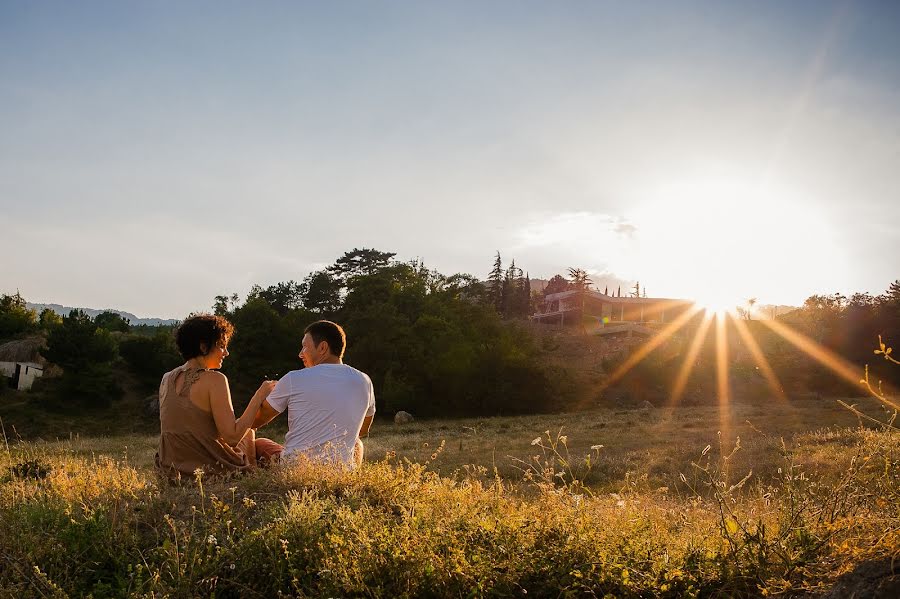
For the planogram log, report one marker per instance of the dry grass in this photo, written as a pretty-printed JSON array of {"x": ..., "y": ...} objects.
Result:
[{"x": 451, "y": 508}]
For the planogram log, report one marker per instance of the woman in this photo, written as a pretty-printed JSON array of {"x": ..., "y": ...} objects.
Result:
[{"x": 197, "y": 422}]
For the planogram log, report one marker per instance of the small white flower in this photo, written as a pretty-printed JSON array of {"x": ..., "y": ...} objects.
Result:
[
  {"x": 596, "y": 447},
  {"x": 211, "y": 539},
  {"x": 536, "y": 441}
]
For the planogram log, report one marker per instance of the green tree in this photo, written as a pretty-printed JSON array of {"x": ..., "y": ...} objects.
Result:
[
  {"x": 111, "y": 322},
  {"x": 149, "y": 357},
  {"x": 85, "y": 352},
  {"x": 223, "y": 305},
  {"x": 321, "y": 293},
  {"x": 359, "y": 262},
  {"x": 283, "y": 297},
  {"x": 495, "y": 284},
  {"x": 265, "y": 344},
  {"x": 15, "y": 317},
  {"x": 49, "y": 319}
]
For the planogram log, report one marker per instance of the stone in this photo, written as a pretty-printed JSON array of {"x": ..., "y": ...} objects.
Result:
[{"x": 402, "y": 417}]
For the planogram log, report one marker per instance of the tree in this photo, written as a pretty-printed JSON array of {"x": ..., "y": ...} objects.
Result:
[
  {"x": 495, "y": 284},
  {"x": 148, "y": 357},
  {"x": 15, "y": 317},
  {"x": 579, "y": 279},
  {"x": 359, "y": 262},
  {"x": 85, "y": 352},
  {"x": 225, "y": 304},
  {"x": 636, "y": 290},
  {"x": 557, "y": 284},
  {"x": 49, "y": 319},
  {"x": 321, "y": 293},
  {"x": 112, "y": 322},
  {"x": 283, "y": 297}
]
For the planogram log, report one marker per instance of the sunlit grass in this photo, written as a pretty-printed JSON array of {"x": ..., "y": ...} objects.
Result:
[{"x": 659, "y": 511}]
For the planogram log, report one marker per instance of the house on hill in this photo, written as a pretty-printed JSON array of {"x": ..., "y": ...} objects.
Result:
[
  {"x": 575, "y": 307},
  {"x": 21, "y": 362}
]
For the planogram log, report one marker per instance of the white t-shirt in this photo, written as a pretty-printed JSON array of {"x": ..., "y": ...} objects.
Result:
[{"x": 326, "y": 406}]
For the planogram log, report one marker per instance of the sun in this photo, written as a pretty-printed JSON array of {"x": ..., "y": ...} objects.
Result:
[
  {"x": 718, "y": 305},
  {"x": 722, "y": 240}
]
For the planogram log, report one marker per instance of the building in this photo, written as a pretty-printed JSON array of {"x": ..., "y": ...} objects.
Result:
[
  {"x": 21, "y": 362},
  {"x": 581, "y": 307}
]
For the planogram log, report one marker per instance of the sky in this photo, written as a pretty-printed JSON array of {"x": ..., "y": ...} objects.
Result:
[{"x": 156, "y": 154}]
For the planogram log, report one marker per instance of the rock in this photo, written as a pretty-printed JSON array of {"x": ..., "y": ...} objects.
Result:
[{"x": 402, "y": 417}]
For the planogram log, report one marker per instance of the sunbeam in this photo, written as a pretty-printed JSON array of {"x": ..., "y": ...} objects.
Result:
[
  {"x": 722, "y": 389},
  {"x": 760, "y": 359},
  {"x": 847, "y": 371},
  {"x": 654, "y": 342},
  {"x": 687, "y": 367}
]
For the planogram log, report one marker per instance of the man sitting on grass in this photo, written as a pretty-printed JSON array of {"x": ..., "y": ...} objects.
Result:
[{"x": 330, "y": 404}]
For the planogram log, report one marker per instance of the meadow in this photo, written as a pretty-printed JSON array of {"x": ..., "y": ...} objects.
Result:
[{"x": 623, "y": 503}]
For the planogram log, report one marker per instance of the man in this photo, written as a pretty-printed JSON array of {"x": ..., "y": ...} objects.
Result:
[{"x": 330, "y": 404}]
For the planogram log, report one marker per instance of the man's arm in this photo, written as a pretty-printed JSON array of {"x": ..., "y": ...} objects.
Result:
[
  {"x": 364, "y": 429},
  {"x": 265, "y": 415}
]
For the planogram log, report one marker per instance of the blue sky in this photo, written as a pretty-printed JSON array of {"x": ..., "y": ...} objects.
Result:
[{"x": 155, "y": 154}]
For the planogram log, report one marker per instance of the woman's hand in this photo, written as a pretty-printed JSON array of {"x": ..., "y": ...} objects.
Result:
[{"x": 264, "y": 390}]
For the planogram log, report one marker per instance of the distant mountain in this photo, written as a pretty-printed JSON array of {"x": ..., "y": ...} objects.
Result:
[{"x": 92, "y": 312}]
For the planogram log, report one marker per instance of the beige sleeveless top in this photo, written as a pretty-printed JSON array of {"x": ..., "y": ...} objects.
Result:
[{"x": 188, "y": 436}]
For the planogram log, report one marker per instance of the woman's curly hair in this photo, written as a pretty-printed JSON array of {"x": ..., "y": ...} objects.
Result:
[{"x": 205, "y": 329}]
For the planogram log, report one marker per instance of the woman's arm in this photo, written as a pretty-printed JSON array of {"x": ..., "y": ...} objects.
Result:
[{"x": 232, "y": 430}]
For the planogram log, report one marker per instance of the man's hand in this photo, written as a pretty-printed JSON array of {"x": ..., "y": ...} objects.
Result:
[{"x": 265, "y": 415}]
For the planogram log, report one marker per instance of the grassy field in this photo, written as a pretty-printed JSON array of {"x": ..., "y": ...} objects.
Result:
[{"x": 647, "y": 502}]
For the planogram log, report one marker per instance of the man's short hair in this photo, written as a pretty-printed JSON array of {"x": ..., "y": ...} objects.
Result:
[
  {"x": 329, "y": 332},
  {"x": 202, "y": 330}
]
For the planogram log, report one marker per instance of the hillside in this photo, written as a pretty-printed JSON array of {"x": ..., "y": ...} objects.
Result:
[{"x": 92, "y": 312}]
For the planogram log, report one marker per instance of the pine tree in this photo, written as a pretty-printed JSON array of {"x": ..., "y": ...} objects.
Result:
[{"x": 495, "y": 283}]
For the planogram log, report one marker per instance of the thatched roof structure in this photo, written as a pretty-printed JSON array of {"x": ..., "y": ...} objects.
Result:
[{"x": 22, "y": 350}]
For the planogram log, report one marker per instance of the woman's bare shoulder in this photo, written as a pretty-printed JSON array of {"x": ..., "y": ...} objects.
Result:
[{"x": 213, "y": 378}]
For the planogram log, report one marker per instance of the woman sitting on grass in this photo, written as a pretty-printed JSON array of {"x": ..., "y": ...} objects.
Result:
[{"x": 198, "y": 428}]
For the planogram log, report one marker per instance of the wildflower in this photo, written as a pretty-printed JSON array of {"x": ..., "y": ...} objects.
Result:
[
  {"x": 536, "y": 441},
  {"x": 231, "y": 567},
  {"x": 596, "y": 447},
  {"x": 211, "y": 539},
  {"x": 563, "y": 439}
]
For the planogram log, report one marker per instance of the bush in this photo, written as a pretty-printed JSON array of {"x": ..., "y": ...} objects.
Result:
[{"x": 149, "y": 357}]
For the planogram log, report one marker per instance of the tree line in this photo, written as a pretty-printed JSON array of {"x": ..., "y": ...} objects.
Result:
[{"x": 433, "y": 344}]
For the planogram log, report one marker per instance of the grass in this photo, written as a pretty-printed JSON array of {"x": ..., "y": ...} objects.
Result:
[{"x": 486, "y": 507}]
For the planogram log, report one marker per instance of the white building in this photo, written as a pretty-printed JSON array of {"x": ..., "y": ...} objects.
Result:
[{"x": 21, "y": 363}]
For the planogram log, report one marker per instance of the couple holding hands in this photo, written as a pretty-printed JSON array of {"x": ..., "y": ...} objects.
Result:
[{"x": 330, "y": 405}]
